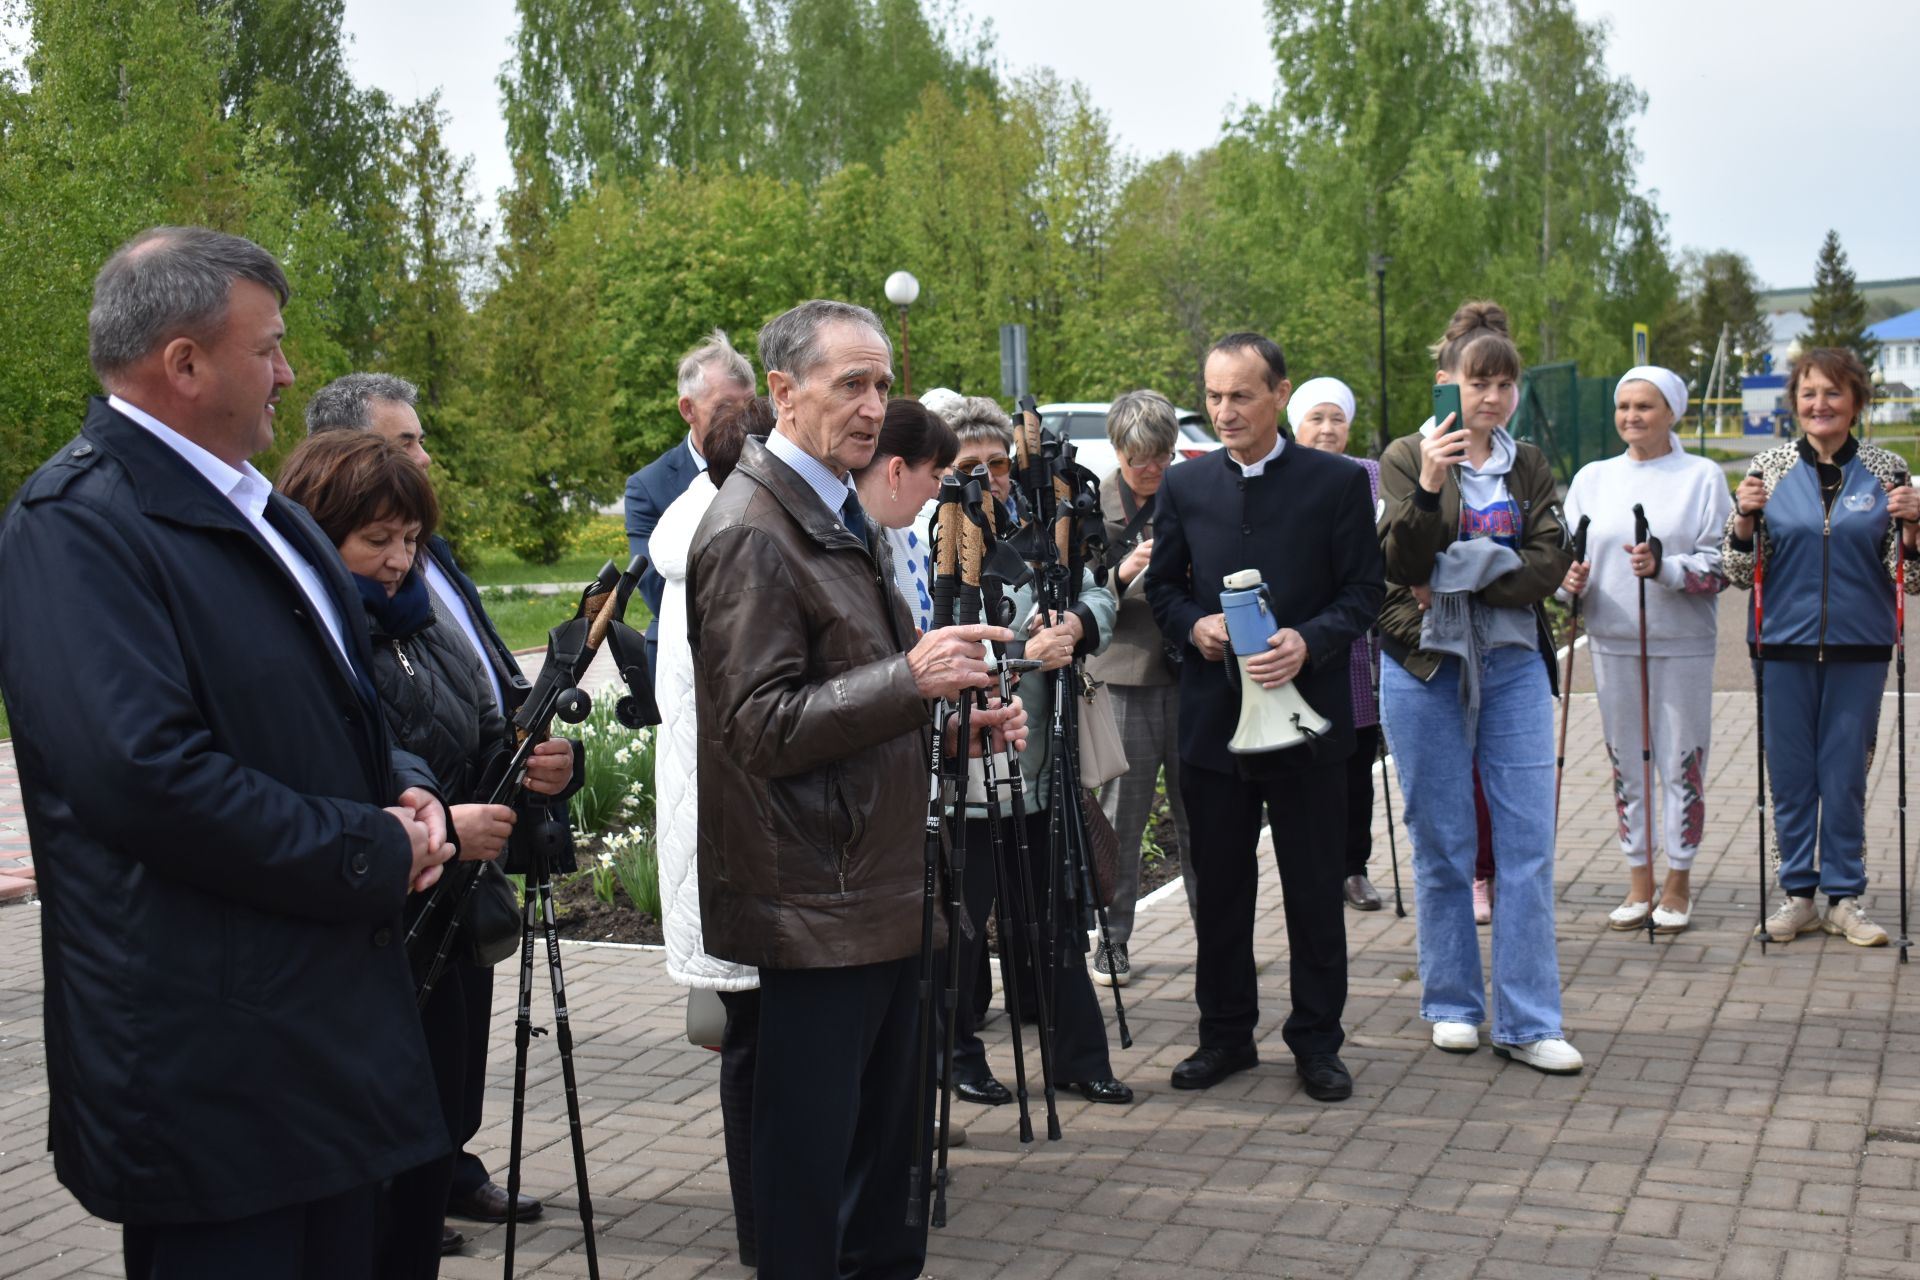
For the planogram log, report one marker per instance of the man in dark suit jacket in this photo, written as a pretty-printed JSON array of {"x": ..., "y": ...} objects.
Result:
[
  {"x": 1301, "y": 519},
  {"x": 386, "y": 404},
  {"x": 711, "y": 375},
  {"x": 224, "y": 835}
]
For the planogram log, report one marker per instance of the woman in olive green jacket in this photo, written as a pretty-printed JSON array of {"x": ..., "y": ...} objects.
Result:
[{"x": 1474, "y": 542}]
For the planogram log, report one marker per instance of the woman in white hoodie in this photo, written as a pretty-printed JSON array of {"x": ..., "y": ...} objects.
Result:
[
  {"x": 676, "y": 808},
  {"x": 1686, "y": 503}
]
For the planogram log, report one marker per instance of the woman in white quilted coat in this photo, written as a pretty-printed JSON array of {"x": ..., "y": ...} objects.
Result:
[{"x": 676, "y": 806}]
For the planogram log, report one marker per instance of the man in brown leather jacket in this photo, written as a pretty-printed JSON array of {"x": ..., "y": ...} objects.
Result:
[{"x": 812, "y": 701}]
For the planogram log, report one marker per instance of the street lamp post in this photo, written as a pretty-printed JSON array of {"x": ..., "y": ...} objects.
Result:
[
  {"x": 1380, "y": 261},
  {"x": 902, "y": 289}
]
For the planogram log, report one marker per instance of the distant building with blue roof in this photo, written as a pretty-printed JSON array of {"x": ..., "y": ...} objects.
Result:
[{"x": 1898, "y": 367}]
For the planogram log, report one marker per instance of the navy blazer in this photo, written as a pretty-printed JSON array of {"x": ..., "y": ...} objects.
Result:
[
  {"x": 1306, "y": 523},
  {"x": 230, "y": 1019},
  {"x": 650, "y": 491},
  {"x": 506, "y": 668}
]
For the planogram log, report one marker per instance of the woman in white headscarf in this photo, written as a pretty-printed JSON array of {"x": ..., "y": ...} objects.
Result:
[
  {"x": 1687, "y": 504},
  {"x": 1320, "y": 414}
]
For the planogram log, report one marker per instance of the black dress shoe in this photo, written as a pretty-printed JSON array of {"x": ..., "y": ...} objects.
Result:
[
  {"x": 1102, "y": 1091},
  {"x": 1325, "y": 1078},
  {"x": 488, "y": 1203},
  {"x": 983, "y": 1092},
  {"x": 1208, "y": 1067},
  {"x": 450, "y": 1241},
  {"x": 1360, "y": 893}
]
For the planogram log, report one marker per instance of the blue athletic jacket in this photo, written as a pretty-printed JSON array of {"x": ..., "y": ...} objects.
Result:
[{"x": 1828, "y": 571}]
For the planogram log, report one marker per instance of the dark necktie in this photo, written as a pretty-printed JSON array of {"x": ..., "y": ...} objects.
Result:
[{"x": 854, "y": 516}]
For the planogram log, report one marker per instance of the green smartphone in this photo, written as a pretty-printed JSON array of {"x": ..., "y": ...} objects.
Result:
[{"x": 1446, "y": 400}]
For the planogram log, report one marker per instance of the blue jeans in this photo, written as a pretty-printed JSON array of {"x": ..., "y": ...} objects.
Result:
[
  {"x": 1426, "y": 731},
  {"x": 1821, "y": 719}
]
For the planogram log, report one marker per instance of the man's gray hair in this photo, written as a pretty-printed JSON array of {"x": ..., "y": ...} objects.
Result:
[
  {"x": 346, "y": 403},
  {"x": 1142, "y": 426},
  {"x": 167, "y": 283},
  {"x": 714, "y": 352},
  {"x": 790, "y": 342},
  {"x": 978, "y": 418}
]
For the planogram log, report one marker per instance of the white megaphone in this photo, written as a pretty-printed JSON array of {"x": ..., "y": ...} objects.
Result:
[{"x": 1270, "y": 719}]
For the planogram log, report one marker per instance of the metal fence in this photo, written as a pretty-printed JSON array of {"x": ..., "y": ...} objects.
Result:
[{"x": 1569, "y": 417}]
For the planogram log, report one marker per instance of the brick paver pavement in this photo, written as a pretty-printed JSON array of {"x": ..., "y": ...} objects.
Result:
[{"x": 1740, "y": 1115}]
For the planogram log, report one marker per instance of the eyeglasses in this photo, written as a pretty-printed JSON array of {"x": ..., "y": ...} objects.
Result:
[
  {"x": 999, "y": 465},
  {"x": 1149, "y": 464}
]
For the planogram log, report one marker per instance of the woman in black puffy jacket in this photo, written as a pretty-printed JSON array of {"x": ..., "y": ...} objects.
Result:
[{"x": 379, "y": 509}]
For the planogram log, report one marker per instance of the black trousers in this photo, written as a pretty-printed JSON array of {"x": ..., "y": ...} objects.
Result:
[
  {"x": 1307, "y": 811},
  {"x": 469, "y": 1175},
  {"x": 739, "y": 1058},
  {"x": 331, "y": 1239},
  {"x": 1366, "y": 753},
  {"x": 833, "y": 1106},
  {"x": 1080, "y": 1031},
  {"x": 415, "y": 1211}
]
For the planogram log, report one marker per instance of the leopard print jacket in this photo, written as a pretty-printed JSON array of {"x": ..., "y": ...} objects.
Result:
[{"x": 1886, "y": 466}]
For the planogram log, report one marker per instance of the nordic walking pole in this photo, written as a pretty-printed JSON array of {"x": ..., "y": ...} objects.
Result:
[
  {"x": 1566, "y": 683},
  {"x": 1760, "y": 708},
  {"x": 1640, "y": 537},
  {"x": 1900, "y": 669},
  {"x": 1386, "y": 783}
]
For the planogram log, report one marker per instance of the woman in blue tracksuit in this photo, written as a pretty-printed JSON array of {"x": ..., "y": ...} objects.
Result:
[{"x": 1823, "y": 508}]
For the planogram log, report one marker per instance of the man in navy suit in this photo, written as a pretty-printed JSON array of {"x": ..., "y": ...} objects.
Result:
[
  {"x": 711, "y": 375},
  {"x": 1304, "y": 520},
  {"x": 224, "y": 832}
]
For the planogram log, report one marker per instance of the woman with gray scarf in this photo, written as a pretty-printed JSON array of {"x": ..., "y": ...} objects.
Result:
[{"x": 1474, "y": 542}]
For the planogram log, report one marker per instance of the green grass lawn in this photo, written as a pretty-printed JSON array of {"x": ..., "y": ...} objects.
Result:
[
  {"x": 493, "y": 567},
  {"x": 524, "y": 618},
  {"x": 601, "y": 539}
]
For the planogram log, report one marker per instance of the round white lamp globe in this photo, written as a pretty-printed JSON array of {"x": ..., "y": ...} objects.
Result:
[{"x": 902, "y": 288}]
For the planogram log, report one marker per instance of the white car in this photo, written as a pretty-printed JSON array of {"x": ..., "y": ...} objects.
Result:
[{"x": 1087, "y": 428}]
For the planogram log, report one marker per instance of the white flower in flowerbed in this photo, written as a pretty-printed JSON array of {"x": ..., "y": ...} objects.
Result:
[{"x": 613, "y": 809}]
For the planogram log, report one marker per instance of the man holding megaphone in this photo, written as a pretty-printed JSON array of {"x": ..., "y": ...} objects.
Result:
[{"x": 1274, "y": 726}]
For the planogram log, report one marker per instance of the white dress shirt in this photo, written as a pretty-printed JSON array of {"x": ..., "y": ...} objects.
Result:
[
  {"x": 1251, "y": 469},
  {"x": 454, "y": 605},
  {"x": 248, "y": 491}
]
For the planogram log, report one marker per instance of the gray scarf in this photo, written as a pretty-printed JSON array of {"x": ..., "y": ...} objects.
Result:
[{"x": 1461, "y": 625}]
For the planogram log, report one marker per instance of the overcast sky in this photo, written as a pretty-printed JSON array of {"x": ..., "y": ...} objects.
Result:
[{"x": 1767, "y": 122}]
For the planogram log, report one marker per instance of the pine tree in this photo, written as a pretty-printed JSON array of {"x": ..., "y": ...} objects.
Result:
[{"x": 1839, "y": 310}]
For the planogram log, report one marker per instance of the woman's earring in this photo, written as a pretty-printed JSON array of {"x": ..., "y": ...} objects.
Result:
[{"x": 895, "y": 495}]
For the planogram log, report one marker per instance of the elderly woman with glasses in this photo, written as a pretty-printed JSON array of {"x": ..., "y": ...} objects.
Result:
[
  {"x": 1138, "y": 667},
  {"x": 1080, "y": 1057}
]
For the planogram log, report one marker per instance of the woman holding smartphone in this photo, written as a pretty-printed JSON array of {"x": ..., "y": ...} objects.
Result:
[{"x": 1474, "y": 542}]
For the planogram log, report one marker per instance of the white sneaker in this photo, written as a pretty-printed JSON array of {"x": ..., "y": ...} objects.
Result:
[
  {"x": 1845, "y": 919},
  {"x": 1790, "y": 919},
  {"x": 1555, "y": 1057},
  {"x": 1456, "y": 1037}
]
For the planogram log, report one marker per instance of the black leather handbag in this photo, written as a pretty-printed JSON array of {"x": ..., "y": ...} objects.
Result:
[{"x": 491, "y": 918}]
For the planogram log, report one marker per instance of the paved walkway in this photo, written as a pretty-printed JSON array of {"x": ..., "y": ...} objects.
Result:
[{"x": 1740, "y": 1116}]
